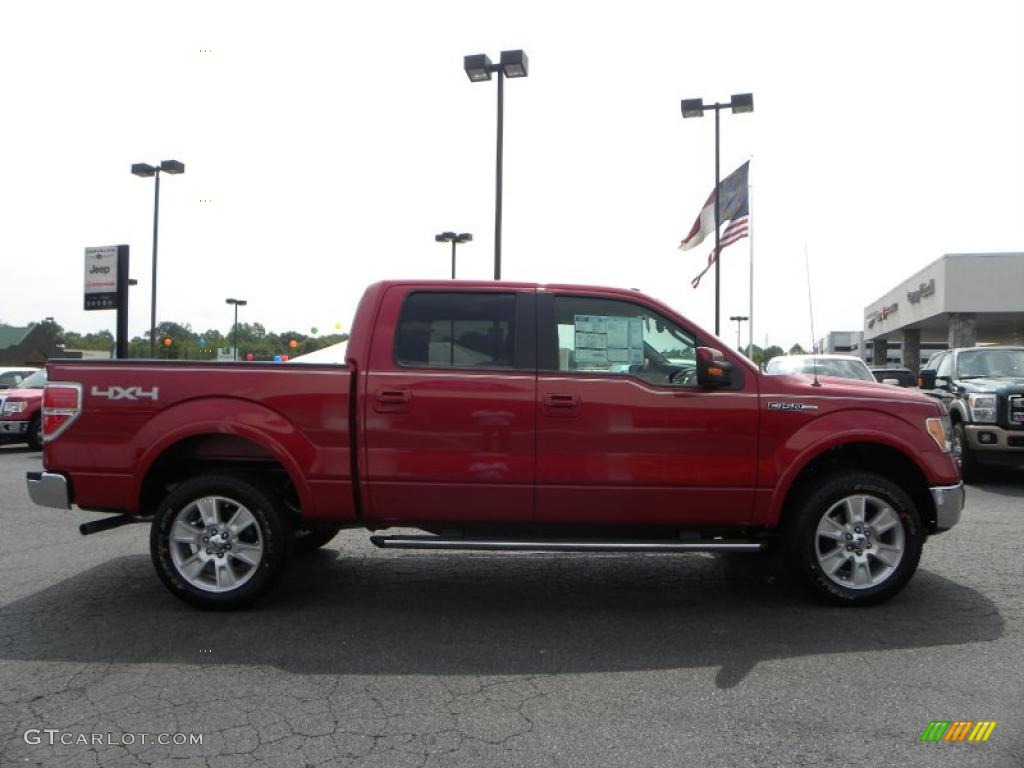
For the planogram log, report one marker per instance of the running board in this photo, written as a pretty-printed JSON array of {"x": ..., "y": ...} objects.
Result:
[{"x": 562, "y": 545}]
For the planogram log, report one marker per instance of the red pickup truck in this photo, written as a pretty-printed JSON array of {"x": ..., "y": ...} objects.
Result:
[{"x": 502, "y": 416}]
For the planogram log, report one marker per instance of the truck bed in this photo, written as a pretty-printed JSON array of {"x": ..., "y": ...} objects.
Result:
[{"x": 252, "y": 414}]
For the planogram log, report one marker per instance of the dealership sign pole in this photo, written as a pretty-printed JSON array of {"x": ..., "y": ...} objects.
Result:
[{"x": 106, "y": 287}]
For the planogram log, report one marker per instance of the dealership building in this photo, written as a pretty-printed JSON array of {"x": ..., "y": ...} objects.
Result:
[{"x": 959, "y": 300}]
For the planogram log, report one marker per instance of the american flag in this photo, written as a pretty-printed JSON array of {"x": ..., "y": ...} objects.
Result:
[
  {"x": 733, "y": 209},
  {"x": 737, "y": 230}
]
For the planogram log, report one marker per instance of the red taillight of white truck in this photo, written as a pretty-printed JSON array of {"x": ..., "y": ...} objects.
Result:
[{"x": 62, "y": 402}]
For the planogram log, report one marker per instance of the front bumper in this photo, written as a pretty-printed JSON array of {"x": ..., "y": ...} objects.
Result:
[
  {"x": 949, "y": 503},
  {"x": 8, "y": 428},
  {"x": 48, "y": 489},
  {"x": 996, "y": 438}
]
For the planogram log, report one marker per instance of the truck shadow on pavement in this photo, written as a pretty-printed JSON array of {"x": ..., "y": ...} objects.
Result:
[{"x": 481, "y": 614}]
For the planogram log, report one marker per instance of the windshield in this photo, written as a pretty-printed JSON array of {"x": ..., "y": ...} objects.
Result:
[
  {"x": 989, "y": 362},
  {"x": 36, "y": 381},
  {"x": 844, "y": 369}
]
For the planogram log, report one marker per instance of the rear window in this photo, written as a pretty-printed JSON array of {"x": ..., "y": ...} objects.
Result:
[{"x": 457, "y": 330}]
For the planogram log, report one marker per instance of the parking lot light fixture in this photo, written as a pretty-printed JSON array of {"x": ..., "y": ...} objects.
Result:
[
  {"x": 479, "y": 68},
  {"x": 738, "y": 103},
  {"x": 739, "y": 320},
  {"x": 742, "y": 102},
  {"x": 514, "y": 63},
  {"x": 234, "y": 343},
  {"x": 693, "y": 107},
  {"x": 454, "y": 239},
  {"x": 145, "y": 170}
]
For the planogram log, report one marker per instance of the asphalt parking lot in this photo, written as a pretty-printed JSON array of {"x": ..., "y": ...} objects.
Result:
[{"x": 389, "y": 658}]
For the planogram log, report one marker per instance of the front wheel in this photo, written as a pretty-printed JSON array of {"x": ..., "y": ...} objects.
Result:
[
  {"x": 219, "y": 541},
  {"x": 856, "y": 538},
  {"x": 964, "y": 455},
  {"x": 35, "y": 433}
]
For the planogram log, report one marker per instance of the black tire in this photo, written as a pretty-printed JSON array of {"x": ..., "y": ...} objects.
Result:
[
  {"x": 247, "y": 577},
  {"x": 35, "y": 433},
  {"x": 311, "y": 539},
  {"x": 835, "y": 495},
  {"x": 964, "y": 455}
]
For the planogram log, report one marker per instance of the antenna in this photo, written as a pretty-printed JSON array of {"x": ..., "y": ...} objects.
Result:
[{"x": 810, "y": 309}]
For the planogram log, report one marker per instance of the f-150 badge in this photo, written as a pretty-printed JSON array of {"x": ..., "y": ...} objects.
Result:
[
  {"x": 126, "y": 393},
  {"x": 791, "y": 406}
]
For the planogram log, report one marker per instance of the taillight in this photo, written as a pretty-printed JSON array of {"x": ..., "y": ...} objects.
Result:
[{"x": 62, "y": 402}]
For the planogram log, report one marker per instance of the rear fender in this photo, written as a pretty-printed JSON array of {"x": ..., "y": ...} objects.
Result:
[{"x": 226, "y": 416}]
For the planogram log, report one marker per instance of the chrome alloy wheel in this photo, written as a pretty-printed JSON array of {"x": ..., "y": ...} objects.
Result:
[
  {"x": 216, "y": 544},
  {"x": 859, "y": 541}
]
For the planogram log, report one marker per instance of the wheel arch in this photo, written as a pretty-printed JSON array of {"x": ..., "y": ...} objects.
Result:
[
  {"x": 872, "y": 456},
  {"x": 227, "y": 444}
]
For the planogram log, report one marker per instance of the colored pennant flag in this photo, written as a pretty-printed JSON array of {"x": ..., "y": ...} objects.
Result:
[{"x": 733, "y": 210}]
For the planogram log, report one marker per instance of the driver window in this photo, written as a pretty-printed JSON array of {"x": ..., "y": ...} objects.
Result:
[
  {"x": 610, "y": 336},
  {"x": 945, "y": 365}
]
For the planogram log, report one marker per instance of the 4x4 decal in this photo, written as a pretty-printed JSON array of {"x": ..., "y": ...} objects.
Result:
[{"x": 125, "y": 393}]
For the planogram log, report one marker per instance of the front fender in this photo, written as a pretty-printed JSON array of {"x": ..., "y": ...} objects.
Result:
[
  {"x": 958, "y": 410},
  {"x": 786, "y": 460}
]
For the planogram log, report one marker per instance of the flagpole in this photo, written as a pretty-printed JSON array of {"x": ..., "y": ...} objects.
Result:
[
  {"x": 750, "y": 230},
  {"x": 718, "y": 222}
]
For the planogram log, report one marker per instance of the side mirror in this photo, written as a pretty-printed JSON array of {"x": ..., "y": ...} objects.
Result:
[
  {"x": 926, "y": 378},
  {"x": 713, "y": 370}
]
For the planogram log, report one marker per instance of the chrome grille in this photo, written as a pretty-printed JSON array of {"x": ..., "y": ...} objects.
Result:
[{"x": 1015, "y": 410}]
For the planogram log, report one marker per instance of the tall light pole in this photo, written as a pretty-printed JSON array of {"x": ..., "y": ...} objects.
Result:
[
  {"x": 739, "y": 102},
  {"x": 479, "y": 68},
  {"x": 451, "y": 237},
  {"x": 740, "y": 319},
  {"x": 234, "y": 343},
  {"x": 145, "y": 170}
]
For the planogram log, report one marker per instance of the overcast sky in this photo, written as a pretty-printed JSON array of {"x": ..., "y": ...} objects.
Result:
[{"x": 333, "y": 140}]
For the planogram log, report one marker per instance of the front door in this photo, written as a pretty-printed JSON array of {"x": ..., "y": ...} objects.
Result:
[{"x": 624, "y": 434}]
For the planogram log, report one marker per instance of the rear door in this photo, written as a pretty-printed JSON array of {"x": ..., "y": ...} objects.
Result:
[
  {"x": 450, "y": 406},
  {"x": 624, "y": 434}
]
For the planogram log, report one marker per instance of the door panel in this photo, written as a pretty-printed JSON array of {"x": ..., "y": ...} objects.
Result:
[
  {"x": 450, "y": 444},
  {"x": 636, "y": 451}
]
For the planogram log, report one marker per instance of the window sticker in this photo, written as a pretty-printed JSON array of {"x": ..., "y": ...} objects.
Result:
[{"x": 602, "y": 340}]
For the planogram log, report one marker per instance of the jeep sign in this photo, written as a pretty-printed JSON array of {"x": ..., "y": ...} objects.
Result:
[{"x": 101, "y": 277}]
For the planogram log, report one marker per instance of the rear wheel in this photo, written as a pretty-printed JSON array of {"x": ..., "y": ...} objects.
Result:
[
  {"x": 856, "y": 538},
  {"x": 219, "y": 541},
  {"x": 35, "y": 433}
]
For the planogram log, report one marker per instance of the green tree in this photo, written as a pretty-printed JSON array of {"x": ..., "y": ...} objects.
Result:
[
  {"x": 54, "y": 331},
  {"x": 772, "y": 351},
  {"x": 796, "y": 349}
]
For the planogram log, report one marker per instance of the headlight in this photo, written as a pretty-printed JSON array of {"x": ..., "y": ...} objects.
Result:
[
  {"x": 983, "y": 407},
  {"x": 16, "y": 407},
  {"x": 941, "y": 430}
]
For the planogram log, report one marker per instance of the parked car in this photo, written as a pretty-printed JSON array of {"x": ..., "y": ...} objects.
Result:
[
  {"x": 497, "y": 416},
  {"x": 983, "y": 387},
  {"x": 843, "y": 366},
  {"x": 12, "y": 377},
  {"x": 898, "y": 377},
  {"x": 21, "y": 419}
]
